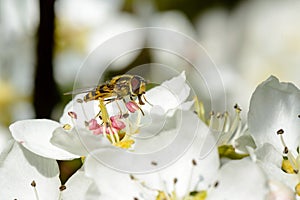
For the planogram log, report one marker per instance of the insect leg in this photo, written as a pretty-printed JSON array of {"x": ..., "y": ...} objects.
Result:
[
  {"x": 147, "y": 101},
  {"x": 136, "y": 105},
  {"x": 119, "y": 107},
  {"x": 140, "y": 100}
]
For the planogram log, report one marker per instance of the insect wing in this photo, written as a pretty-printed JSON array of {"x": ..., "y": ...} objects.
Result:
[{"x": 81, "y": 90}]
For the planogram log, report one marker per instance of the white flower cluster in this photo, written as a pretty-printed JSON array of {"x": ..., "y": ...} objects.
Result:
[{"x": 169, "y": 153}]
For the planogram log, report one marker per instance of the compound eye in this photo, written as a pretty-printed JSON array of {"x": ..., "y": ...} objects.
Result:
[{"x": 135, "y": 85}]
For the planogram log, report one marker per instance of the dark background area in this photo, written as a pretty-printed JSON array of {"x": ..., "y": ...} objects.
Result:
[{"x": 46, "y": 93}]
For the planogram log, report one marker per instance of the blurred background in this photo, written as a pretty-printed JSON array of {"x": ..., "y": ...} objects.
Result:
[{"x": 45, "y": 42}]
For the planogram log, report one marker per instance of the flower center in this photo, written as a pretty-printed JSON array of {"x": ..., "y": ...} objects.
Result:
[
  {"x": 225, "y": 129},
  {"x": 290, "y": 163},
  {"x": 117, "y": 128},
  {"x": 163, "y": 193}
]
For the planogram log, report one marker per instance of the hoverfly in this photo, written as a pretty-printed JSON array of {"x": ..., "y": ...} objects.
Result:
[{"x": 117, "y": 88}]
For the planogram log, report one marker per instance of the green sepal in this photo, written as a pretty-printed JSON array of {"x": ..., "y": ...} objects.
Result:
[{"x": 228, "y": 151}]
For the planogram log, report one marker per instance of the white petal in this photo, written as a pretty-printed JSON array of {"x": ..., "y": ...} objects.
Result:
[
  {"x": 268, "y": 154},
  {"x": 78, "y": 187},
  {"x": 170, "y": 94},
  {"x": 280, "y": 191},
  {"x": 270, "y": 160},
  {"x": 275, "y": 173},
  {"x": 112, "y": 184},
  {"x": 243, "y": 142},
  {"x": 188, "y": 175},
  {"x": 102, "y": 164},
  {"x": 275, "y": 106},
  {"x": 240, "y": 179},
  {"x": 19, "y": 167},
  {"x": 35, "y": 136},
  {"x": 164, "y": 147},
  {"x": 78, "y": 141}
]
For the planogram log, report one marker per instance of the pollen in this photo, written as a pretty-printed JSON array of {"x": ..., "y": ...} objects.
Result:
[
  {"x": 126, "y": 144},
  {"x": 62, "y": 187},
  {"x": 67, "y": 127},
  {"x": 72, "y": 115},
  {"x": 297, "y": 189},
  {"x": 33, "y": 184},
  {"x": 287, "y": 167},
  {"x": 154, "y": 163},
  {"x": 280, "y": 132},
  {"x": 161, "y": 196},
  {"x": 201, "y": 195}
]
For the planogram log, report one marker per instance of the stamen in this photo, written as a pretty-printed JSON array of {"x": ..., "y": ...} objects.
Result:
[
  {"x": 79, "y": 100},
  {"x": 297, "y": 189},
  {"x": 72, "y": 114},
  {"x": 62, "y": 188},
  {"x": 116, "y": 134},
  {"x": 290, "y": 165},
  {"x": 111, "y": 136},
  {"x": 117, "y": 123},
  {"x": 33, "y": 184},
  {"x": 226, "y": 123},
  {"x": 280, "y": 133},
  {"x": 104, "y": 131},
  {"x": 194, "y": 164},
  {"x": 216, "y": 184},
  {"x": 175, "y": 180},
  {"x": 292, "y": 160},
  {"x": 153, "y": 163},
  {"x": 236, "y": 124},
  {"x": 237, "y": 108},
  {"x": 141, "y": 184},
  {"x": 67, "y": 127},
  {"x": 132, "y": 106},
  {"x": 286, "y": 150},
  {"x": 93, "y": 124}
]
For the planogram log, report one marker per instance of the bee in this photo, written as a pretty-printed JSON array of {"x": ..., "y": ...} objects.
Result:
[{"x": 117, "y": 88}]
